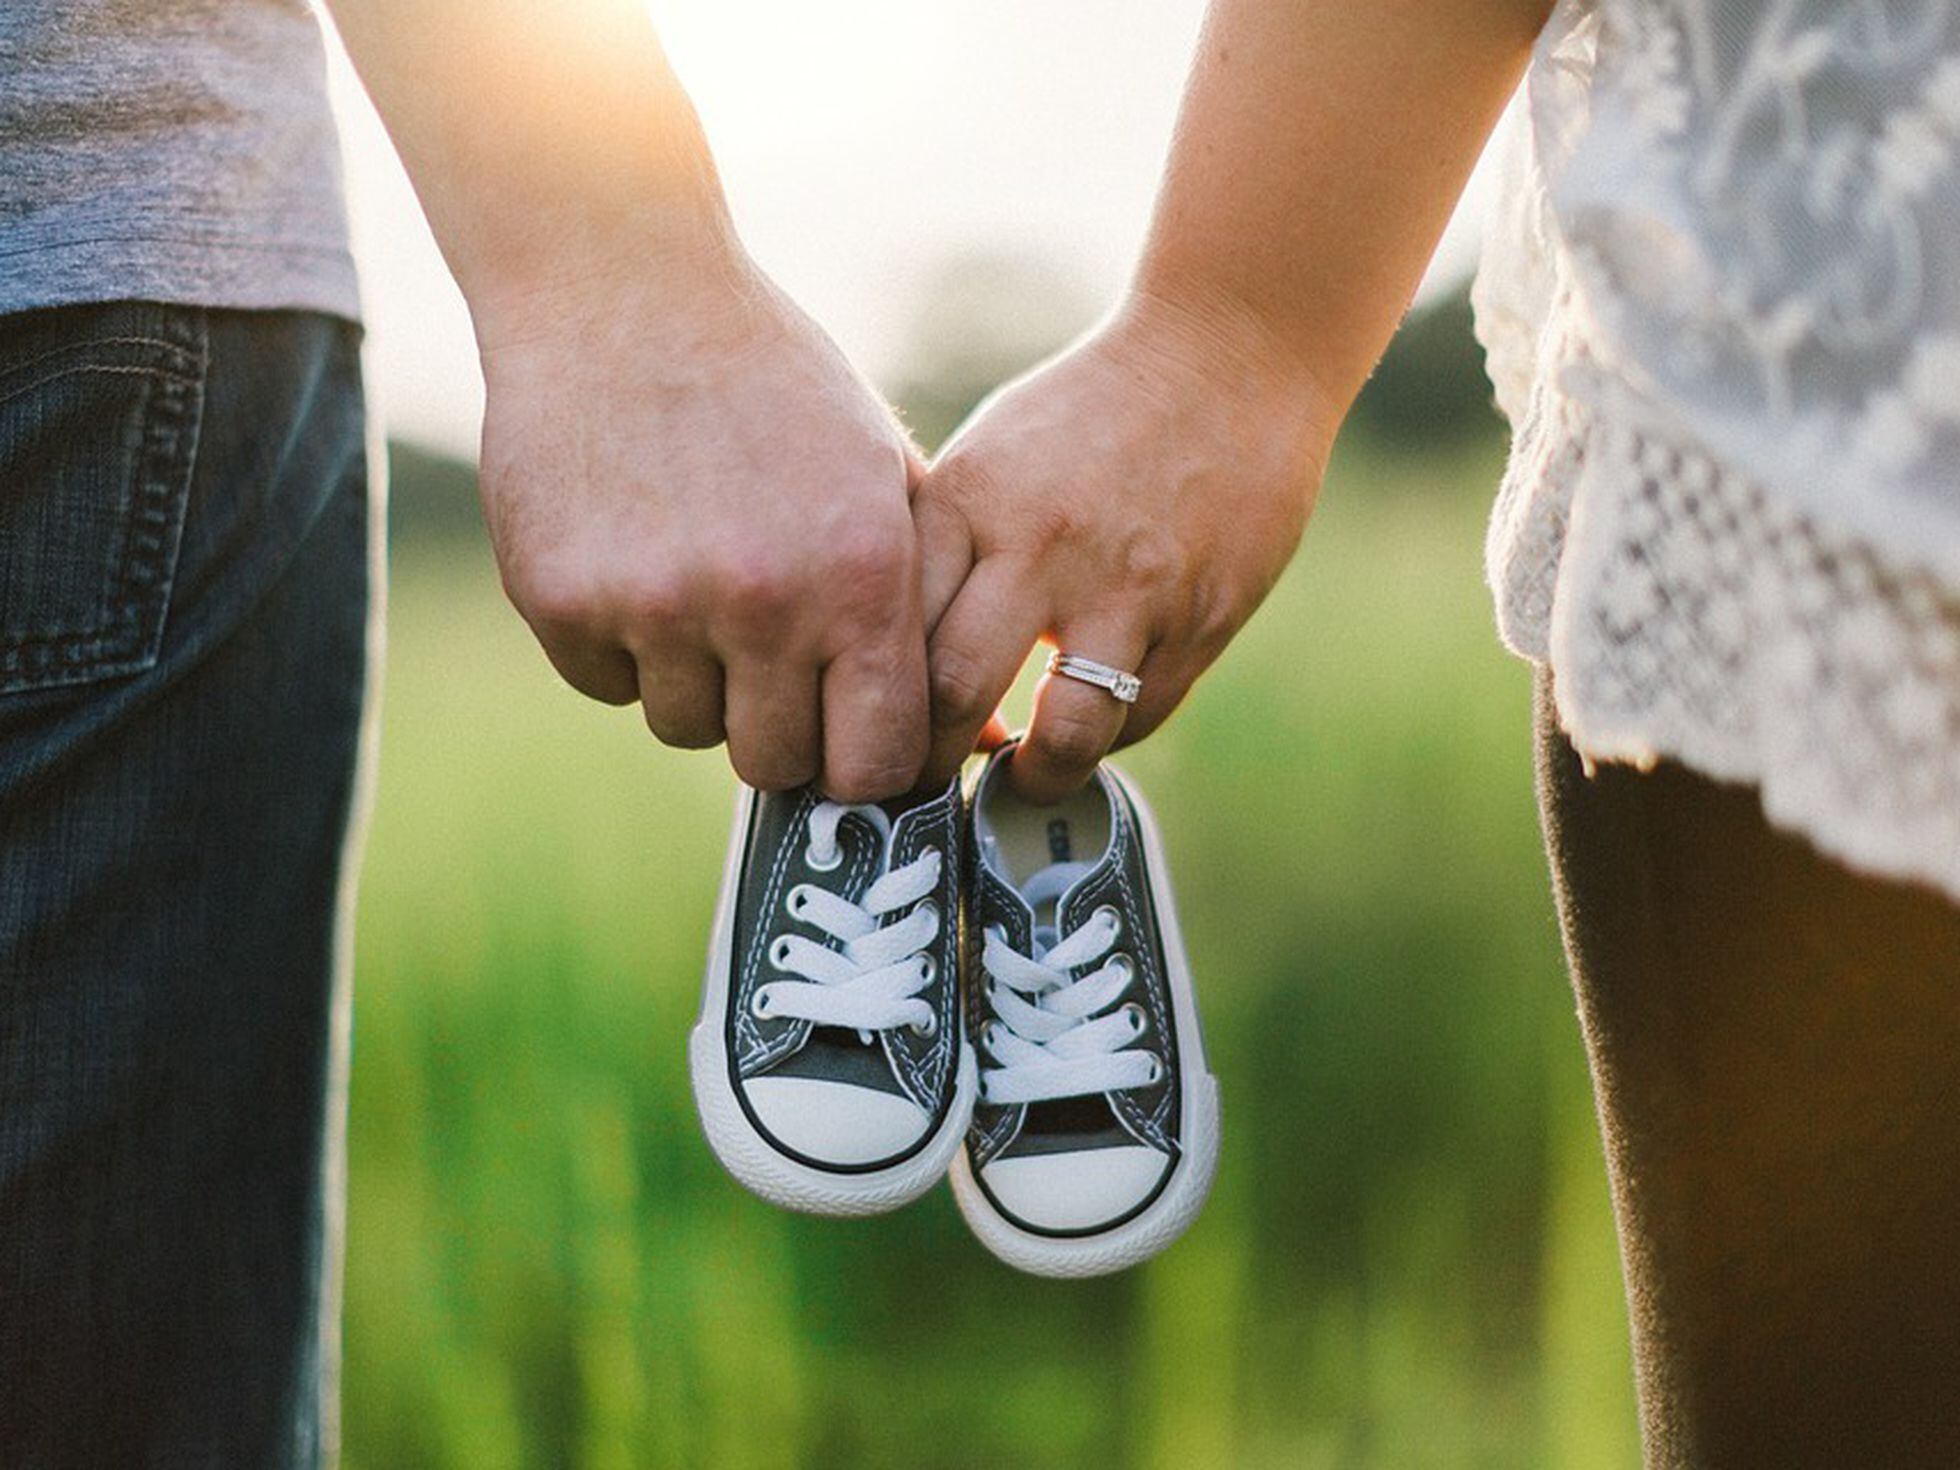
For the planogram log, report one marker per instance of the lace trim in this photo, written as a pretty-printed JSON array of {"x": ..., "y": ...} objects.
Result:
[
  {"x": 1688, "y": 614},
  {"x": 1731, "y": 521}
]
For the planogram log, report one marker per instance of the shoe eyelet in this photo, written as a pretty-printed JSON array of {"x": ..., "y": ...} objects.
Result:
[
  {"x": 759, "y": 1003},
  {"x": 1139, "y": 1022},
  {"x": 779, "y": 952},
  {"x": 1124, "y": 964},
  {"x": 815, "y": 865},
  {"x": 928, "y": 969},
  {"x": 929, "y": 1029},
  {"x": 1109, "y": 916},
  {"x": 927, "y": 906},
  {"x": 1156, "y": 1072},
  {"x": 797, "y": 900}
]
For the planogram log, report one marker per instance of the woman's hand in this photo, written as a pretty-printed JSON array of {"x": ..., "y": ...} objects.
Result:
[
  {"x": 1132, "y": 502},
  {"x": 698, "y": 505}
]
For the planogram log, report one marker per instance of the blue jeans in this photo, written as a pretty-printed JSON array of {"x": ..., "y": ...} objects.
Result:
[{"x": 183, "y": 606}]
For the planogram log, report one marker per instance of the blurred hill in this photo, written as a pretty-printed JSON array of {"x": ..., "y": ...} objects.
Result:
[
  {"x": 1429, "y": 391},
  {"x": 432, "y": 498}
]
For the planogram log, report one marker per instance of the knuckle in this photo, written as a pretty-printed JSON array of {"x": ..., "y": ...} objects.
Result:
[
  {"x": 756, "y": 595},
  {"x": 657, "y": 603},
  {"x": 1149, "y": 561},
  {"x": 874, "y": 555},
  {"x": 1215, "y": 616},
  {"x": 684, "y": 730},
  {"x": 936, "y": 515},
  {"x": 870, "y": 582},
  {"x": 869, "y": 777},
  {"x": 555, "y": 591},
  {"x": 1060, "y": 521},
  {"x": 777, "y": 770},
  {"x": 589, "y": 676},
  {"x": 959, "y": 692},
  {"x": 1212, "y": 636}
]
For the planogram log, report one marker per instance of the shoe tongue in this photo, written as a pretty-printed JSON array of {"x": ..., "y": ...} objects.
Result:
[
  {"x": 1002, "y": 900},
  {"x": 1043, "y": 895},
  {"x": 1040, "y": 909},
  {"x": 1088, "y": 887}
]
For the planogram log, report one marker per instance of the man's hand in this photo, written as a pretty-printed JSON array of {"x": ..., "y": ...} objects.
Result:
[
  {"x": 1132, "y": 501},
  {"x": 694, "y": 500},
  {"x": 698, "y": 505}
]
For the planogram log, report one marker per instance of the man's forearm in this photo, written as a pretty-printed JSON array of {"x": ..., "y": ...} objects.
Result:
[
  {"x": 546, "y": 141},
  {"x": 1321, "y": 148}
]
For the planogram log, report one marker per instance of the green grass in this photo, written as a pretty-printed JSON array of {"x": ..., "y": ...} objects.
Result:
[{"x": 1408, "y": 1261}]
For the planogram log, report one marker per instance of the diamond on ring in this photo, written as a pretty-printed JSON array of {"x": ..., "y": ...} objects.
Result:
[{"x": 1120, "y": 685}]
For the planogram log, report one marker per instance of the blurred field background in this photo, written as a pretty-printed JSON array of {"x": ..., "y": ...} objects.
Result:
[{"x": 1408, "y": 1261}]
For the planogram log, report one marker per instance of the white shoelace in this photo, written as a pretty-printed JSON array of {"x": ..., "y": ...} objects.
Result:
[
  {"x": 871, "y": 983},
  {"x": 1048, "y": 1034}
]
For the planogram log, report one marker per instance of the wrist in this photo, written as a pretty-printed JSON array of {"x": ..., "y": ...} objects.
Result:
[
  {"x": 1211, "y": 338},
  {"x": 666, "y": 262}
]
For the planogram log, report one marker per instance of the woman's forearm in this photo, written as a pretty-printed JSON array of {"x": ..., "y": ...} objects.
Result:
[{"x": 1321, "y": 148}]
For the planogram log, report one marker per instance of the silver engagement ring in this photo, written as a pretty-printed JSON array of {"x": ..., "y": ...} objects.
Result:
[{"x": 1120, "y": 685}]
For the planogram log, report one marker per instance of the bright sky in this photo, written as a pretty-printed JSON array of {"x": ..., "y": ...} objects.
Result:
[{"x": 862, "y": 145}]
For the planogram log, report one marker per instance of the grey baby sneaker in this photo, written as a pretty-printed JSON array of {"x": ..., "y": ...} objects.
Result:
[
  {"x": 829, "y": 1063},
  {"x": 1095, "y": 1131}
]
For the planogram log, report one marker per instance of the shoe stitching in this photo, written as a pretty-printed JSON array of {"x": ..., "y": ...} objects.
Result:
[
  {"x": 752, "y": 1049},
  {"x": 926, "y": 1075},
  {"x": 1146, "y": 1127},
  {"x": 1006, "y": 1124},
  {"x": 856, "y": 873}
]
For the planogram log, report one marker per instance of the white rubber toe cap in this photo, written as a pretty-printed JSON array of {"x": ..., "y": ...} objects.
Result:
[
  {"x": 1079, "y": 1190},
  {"x": 835, "y": 1122}
]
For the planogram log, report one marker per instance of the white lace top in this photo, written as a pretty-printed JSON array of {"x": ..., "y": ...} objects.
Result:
[{"x": 1721, "y": 305}]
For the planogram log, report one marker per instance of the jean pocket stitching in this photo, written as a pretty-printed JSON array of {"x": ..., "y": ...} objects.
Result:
[
  {"x": 142, "y": 564},
  {"x": 177, "y": 351},
  {"x": 111, "y": 369}
]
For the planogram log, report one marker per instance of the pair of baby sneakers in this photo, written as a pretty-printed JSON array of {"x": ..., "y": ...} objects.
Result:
[{"x": 981, "y": 988}]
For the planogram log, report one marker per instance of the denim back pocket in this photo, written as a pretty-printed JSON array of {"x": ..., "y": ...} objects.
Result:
[{"x": 99, "y": 414}]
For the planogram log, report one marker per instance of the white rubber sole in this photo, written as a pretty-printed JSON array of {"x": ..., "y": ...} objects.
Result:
[
  {"x": 755, "y": 1163},
  {"x": 1171, "y": 1213}
]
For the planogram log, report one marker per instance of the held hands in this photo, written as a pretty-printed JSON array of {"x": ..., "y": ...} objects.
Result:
[
  {"x": 697, "y": 505},
  {"x": 1132, "y": 501}
]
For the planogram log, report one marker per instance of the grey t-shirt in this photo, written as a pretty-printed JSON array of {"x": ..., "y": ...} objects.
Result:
[{"x": 169, "y": 150}]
